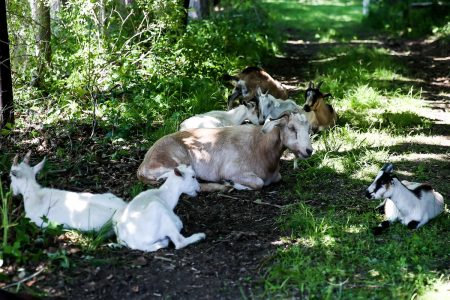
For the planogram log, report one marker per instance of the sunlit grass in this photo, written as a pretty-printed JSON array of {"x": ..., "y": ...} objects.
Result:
[
  {"x": 321, "y": 20},
  {"x": 328, "y": 251}
]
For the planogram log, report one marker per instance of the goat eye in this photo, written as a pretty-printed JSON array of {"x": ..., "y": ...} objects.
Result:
[{"x": 14, "y": 173}]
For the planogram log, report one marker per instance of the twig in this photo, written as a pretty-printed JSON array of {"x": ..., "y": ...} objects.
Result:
[
  {"x": 266, "y": 203},
  {"x": 230, "y": 197},
  {"x": 162, "y": 258},
  {"x": 25, "y": 279}
]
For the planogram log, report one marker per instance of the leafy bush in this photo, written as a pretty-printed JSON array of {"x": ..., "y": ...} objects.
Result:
[{"x": 143, "y": 70}]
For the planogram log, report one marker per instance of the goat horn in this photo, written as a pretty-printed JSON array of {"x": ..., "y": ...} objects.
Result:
[
  {"x": 311, "y": 85},
  {"x": 318, "y": 86},
  {"x": 26, "y": 159},
  {"x": 16, "y": 160}
]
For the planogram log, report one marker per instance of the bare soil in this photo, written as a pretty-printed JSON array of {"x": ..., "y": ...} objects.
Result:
[{"x": 240, "y": 227}]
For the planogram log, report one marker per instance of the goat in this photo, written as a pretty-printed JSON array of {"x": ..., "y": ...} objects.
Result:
[
  {"x": 82, "y": 211},
  {"x": 270, "y": 107},
  {"x": 148, "y": 221},
  {"x": 215, "y": 118},
  {"x": 246, "y": 155},
  {"x": 249, "y": 79},
  {"x": 414, "y": 204},
  {"x": 320, "y": 114}
]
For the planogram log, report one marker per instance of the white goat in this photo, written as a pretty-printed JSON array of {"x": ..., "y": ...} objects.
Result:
[
  {"x": 148, "y": 221},
  {"x": 247, "y": 155},
  {"x": 216, "y": 118},
  {"x": 251, "y": 78},
  {"x": 82, "y": 211},
  {"x": 320, "y": 114},
  {"x": 414, "y": 204},
  {"x": 273, "y": 108}
]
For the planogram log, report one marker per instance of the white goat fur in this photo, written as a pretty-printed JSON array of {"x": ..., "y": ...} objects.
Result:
[
  {"x": 247, "y": 155},
  {"x": 405, "y": 201},
  {"x": 273, "y": 108},
  {"x": 82, "y": 211},
  {"x": 216, "y": 118},
  {"x": 148, "y": 221}
]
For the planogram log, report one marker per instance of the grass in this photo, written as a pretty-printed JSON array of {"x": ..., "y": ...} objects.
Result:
[
  {"x": 320, "y": 20},
  {"x": 328, "y": 251}
]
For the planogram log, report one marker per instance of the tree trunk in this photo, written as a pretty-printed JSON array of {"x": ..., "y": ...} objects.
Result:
[
  {"x": 6, "y": 94},
  {"x": 200, "y": 9},
  {"x": 40, "y": 12}
]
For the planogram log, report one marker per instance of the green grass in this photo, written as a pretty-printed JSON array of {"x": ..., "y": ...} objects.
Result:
[
  {"x": 328, "y": 251},
  {"x": 320, "y": 20}
]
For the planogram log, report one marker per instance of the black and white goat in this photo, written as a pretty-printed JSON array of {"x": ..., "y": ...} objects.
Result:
[
  {"x": 413, "y": 204},
  {"x": 82, "y": 211}
]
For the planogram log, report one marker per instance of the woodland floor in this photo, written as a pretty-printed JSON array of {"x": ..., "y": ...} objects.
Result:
[{"x": 240, "y": 226}]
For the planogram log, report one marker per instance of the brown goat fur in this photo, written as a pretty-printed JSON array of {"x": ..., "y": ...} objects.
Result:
[
  {"x": 320, "y": 114},
  {"x": 247, "y": 155},
  {"x": 246, "y": 83}
]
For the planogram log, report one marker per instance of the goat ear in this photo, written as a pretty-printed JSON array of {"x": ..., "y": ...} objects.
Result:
[
  {"x": 319, "y": 85},
  {"x": 26, "y": 159},
  {"x": 388, "y": 168},
  {"x": 37, "y": 168},
  {"x": 16, "y": 160},
  {"x": 269, "y": 124},
  {"x": 178, "y": 172},
  {"x": 327, "y": 95}
]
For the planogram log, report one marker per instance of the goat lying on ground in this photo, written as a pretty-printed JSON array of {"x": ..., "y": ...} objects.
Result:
[
  {"x": 320, "y": 114},
  {"x": 247, "y": 155},
  {"x": 246, "y": 83},
  {"x": 414, "y": 204},
  {"x": 270, "y": 107},
  {"x": 82, "y": 211},
  {"x": 148, "y": 221},
  {"x": 215, "y": 118}
]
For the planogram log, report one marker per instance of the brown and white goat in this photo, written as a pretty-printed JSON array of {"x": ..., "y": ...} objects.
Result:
[
  {"x": 246, "y": 83},
  {"x": 246, "y": 155},
  {"x": 320, "y": 114}
]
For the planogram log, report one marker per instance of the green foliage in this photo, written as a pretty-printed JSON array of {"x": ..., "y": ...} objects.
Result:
[
  {"x": 143, "y": 70},
  {"x": 401, "y": 18}
]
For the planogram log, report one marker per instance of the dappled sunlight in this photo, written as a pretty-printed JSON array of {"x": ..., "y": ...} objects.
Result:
[
  {"x": 417, "y": 157},
  {"x": 439, "y": 289}
]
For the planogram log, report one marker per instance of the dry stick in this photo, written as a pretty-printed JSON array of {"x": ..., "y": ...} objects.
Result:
[
  {"x": 256, "y": 201},
  {"x": 25, "y": 279},
  {"x": 266, "y": 203}
]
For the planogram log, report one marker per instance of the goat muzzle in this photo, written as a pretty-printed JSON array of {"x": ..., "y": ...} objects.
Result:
[{"x": 306, "y": 108}]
